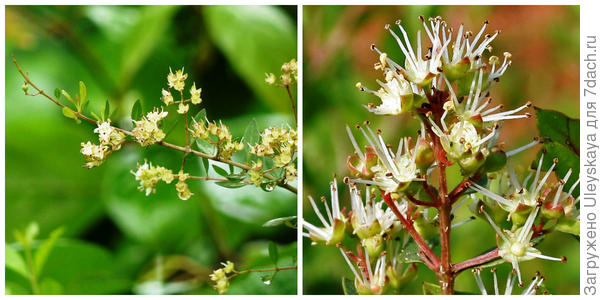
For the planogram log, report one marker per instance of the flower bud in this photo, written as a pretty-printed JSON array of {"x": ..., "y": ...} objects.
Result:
[
  {"x": 552, "y": 212},
  {"x": 471, "y": 163},
  {"x": 425, "y": 156},
  {"x": 362, "y": 167},
  {"x": 458, "y": 70},
  {"x": 373, "y": 245}
]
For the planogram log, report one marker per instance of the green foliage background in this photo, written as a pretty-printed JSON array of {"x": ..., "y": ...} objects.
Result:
[
  {"x": 115, "y": 236},
  {"x": 544, "y": 42}
]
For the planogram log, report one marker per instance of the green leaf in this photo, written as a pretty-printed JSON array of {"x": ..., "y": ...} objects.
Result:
[
  {"x": 220, "y": 171},
  {"x": 251, "y": 137},
  {"x": 205, "y": 165},
  {"x": 254, "y": 29},
  {"x": 288, "y": 221},
  {"x": 567, "y": 159},
  {"x": 143, "y": 38},
  {"x": 83, "y": 268},
  {"x": 136, "y": 110},
  {"x": 236, "y": 177},
  {"x": 431, "y": 289},
  {"x": 69, "y": 113},
  {"x": 231, "y": 184},
  {"x": 57, "y": 93},
  {"x": 559, "y": 128},
  {"x": 49, "y": 286},
  {"x": 41, "y": 254},
  {"x": 82, "y": 92},
  {"x": 106, "y": 110},
  {"x": 348, "y": 287},
  {"x": 67, "y": 96},
  {"x": 273, "y": 254},
  {"x": 410, "y": 254},
  {"x": 14, "y": 261}
]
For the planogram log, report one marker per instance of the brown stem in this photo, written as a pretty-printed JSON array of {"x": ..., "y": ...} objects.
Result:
[
  {"x": 426, "y": 252},
  {"x": 430, "y": 192},
  {"x": 289, "y": 92},
  {"x": 268, "y": 270},
  {"x": 459, "y": 190},
  {"x": 161, "y": 143},
  {"x": 475, "y": 261},
  {"x": 419, "y": 202}
]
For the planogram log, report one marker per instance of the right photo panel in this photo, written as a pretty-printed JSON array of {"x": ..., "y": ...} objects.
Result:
[{"x": 441, "y": 150}]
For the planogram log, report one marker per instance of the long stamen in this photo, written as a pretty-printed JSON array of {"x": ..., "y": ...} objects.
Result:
[
  {"x": 319, "y": 215},
  {"x": 354, "y": 144},
  {"x": 360, "y": 278},
  {"x": 522, "y": 148},
  {"x": 560, "y": 188}
]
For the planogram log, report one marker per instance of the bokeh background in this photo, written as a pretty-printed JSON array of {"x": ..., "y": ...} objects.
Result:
[
  {"x": 117, "y": 240},
  {"x": 544, "y": 42}
]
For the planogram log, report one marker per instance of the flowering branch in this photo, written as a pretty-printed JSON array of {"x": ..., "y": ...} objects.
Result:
[{"x": 185, "y": 149}]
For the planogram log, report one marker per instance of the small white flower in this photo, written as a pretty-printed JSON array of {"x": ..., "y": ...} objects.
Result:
[
  {"x": 519, "y": 194},
  {"x": 531, "y": 289},
  {"x": 394, "y": 170},
  {"x": 335, "y": 224},
  {"x": 515, "y": 246},
  {"x": 368, "y": 280},
  {"x": 393, "y": 93},
  {"x": 370, "y": 218}
]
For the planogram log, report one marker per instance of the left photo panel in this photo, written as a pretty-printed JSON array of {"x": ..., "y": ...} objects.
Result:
[{"x": 151, "y": 150}]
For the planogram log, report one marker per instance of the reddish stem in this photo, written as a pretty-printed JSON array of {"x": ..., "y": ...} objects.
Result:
[
  {"x": 426, "y": 252},
  {"x": 429, "y": 192},
  {"x": 419, "y": 202},
  {"x": 476, "y": 261}
]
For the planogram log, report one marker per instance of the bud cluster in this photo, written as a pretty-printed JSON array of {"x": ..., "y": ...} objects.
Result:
[
  {"x": 221, "y": 278},
  {"x": 176, "y": 81},
  {"x": 280, "y": 145},
  {"x": 289, "y": 74}
]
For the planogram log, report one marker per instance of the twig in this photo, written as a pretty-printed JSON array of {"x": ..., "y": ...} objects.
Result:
[
  {"x": 475, "y": 261},
  {"x": 161, "y": 143}
]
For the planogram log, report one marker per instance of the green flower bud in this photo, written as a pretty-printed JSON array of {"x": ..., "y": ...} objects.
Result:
[
  {"x": 373, "y": 245},
  {"x": 425, "y": 156},
  {"x": 552, "y": 212},
  {"x": 457, "y": 71}
]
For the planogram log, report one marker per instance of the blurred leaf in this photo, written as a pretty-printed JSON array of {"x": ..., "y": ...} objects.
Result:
[
  {"x": 559, "y": 128},
  {"x": 13, "y": 288},
  {"x": 106, "y": 111},
  {"x": 205, "y": 165},
  {"x": 254, "y": 29},
  {"x": 83, "y": 268},
  {"x": 57, "y": 94},
  {"x": 231, "y": 184},
  {"x": 69, "y": 113},
  {"x": 220, "y": 171},
  {"x": 44, "y": 250},
  {"x": 82, "y": 92},
  {"x": 236, "y": 177},
  {"x": 567, "y": 159},
  {"x": 251, "y": 137},
  {"x": 288, "y": 221},
  {"x": 15, "y": 261},
  {"x": 143, "y": 37},
  {"x": 431, "y": 289},
  {"x": 348, "y": 286},
  {"x": 49, "y": 286},
  {"x": 273, "y": 254},
  {"x": 136, "y": 110},
  {"x": 66, "y": 94}
]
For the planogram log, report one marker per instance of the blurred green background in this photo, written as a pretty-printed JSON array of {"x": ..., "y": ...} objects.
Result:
[
  {"x": 117, "y": 240},
  {"x": 544, "y": 42}
]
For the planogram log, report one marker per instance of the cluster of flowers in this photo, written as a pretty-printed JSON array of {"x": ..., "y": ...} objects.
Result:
[
  {"x": 147, "y": 131},
  {"x": 289, "y": 74},
  {"x": 221, "y": 277},
  {"x": 278, "y": 144},
  {"x": 226, "y": 147},
  {"x": 110, "y": 139},
  {"x": 447, "y": 88},
  {"x": 149, "y": 176},
  {"x": 177, "y": 82}
]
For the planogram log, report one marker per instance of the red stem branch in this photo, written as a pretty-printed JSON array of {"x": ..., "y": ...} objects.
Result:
[
  {"x": 426, "y": 252},
  {"x": 475, "y": 261}
]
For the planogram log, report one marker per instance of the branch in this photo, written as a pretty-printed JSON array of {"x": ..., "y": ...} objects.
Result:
[
  {"x": 162, "y": 143},
  {"x": 426, "y": 253},
  {"x": 419, "y": 202},
  {"x": 476, "y": 261},
  {"x": 459, "y": 189}
]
